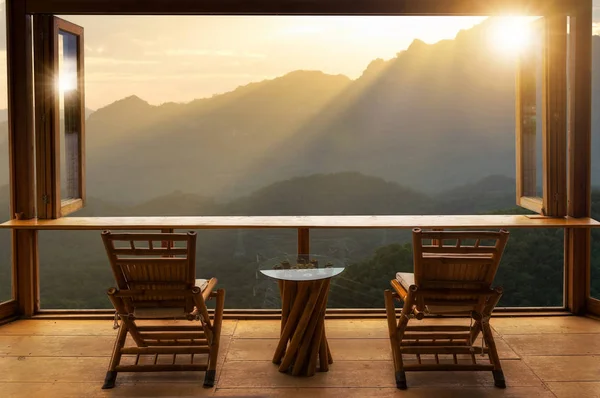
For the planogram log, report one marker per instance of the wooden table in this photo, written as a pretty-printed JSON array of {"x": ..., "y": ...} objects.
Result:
[{"x": 303, "y": 343}]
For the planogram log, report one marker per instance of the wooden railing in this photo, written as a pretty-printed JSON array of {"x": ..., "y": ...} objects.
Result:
[{"x": 303, "y": 222}]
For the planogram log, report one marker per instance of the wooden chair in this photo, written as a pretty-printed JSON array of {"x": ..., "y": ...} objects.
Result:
[
  {"x": 155, "y": 275},
  {"x": 453, "y": 274}
]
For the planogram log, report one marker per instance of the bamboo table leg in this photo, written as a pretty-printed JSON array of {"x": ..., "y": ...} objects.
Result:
[{"x": 303, "y": 342}]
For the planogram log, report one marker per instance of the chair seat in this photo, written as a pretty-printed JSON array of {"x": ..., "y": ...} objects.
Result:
[
  {"x": 406, "y": 279},
  {"x": 159, "y": 313},
  {"x": 201, "y": 283},
  {"x": 166, "y": 312}
]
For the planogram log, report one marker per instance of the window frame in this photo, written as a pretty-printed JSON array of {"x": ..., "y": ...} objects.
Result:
[
  {"x": 50, "y": 204},
  {"x": 553, "y": 202}
]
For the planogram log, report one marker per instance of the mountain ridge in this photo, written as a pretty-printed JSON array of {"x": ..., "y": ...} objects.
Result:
[
  {"x": 434, "y": 117},
  {"x": 345, "y": 193}
]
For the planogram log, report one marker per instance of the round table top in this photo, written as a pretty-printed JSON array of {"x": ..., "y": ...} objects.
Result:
[{"x": 309, "y": 267}]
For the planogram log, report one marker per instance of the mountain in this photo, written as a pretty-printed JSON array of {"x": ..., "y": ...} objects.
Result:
[
  {"x": 332, "y": 194},
  {"x": 208, "y": 146},
  {"x": 433, "y": 118},
  {"x": 492, "y": 192},
  {"x": 346, "y": 193}
]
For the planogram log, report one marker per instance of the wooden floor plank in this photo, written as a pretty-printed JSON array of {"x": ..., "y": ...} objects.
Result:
[
  {"x": 71, "y": 346},
  {"x": 265, "y": 329},
  {"x": 565, "y": 368},
  {"x": 342, "y": 349},
  {"x": 78, "y": 390},
  {"x": 92, "y": 390},
  {"x": 575, "y": 389},
  {"x": 56, "y": 346},
  {"x": 43, "y": 327},
  {"x": 541, "y": 325},
  {"x": 52, "y": 369},
  {"x": 264, "y": 374},
  {"x": 77, "y": 369},
  {"x": 69, "y": 359},
  {"x": 555, "y": 344},
  {"x": 339, "y": 328},
  {"x": 420, "y": 392}
]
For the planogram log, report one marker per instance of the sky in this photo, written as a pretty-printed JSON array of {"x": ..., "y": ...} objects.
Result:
[{"x": 178, "y": 59}]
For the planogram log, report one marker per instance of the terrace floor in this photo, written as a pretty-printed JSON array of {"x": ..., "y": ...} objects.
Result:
[{"x": 552, "y": 356}]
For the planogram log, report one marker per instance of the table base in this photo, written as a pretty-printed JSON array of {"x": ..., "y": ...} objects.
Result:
[{"x": 302, "y": 341}]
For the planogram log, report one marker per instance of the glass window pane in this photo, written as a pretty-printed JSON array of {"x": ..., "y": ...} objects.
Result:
[
  {"x": 531, "y": 78},
  {"x": 74, "y": 270},
  {"x": 375, "y": 256},
  {"x": 173, "y": 134},
  {"x": 70, "y": 121}
]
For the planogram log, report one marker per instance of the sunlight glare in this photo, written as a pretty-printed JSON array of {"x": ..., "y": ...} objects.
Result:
[
  {"x": 67, "y": 82},
  {"x": 512, "y": 35}
]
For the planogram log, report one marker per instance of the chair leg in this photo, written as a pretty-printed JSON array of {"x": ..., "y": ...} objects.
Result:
[
  {"x": 109, "y": 380},
  {"x": 209, "y": 378},
  {"x": 111, "y": 374},
  {"x": 499, "y": 378},
  {"x": 493, "y": 353},
  {"x": 400, "y": 374},
  {"x": 401, "y": 380},
  {"x": 390, "y": 310}
]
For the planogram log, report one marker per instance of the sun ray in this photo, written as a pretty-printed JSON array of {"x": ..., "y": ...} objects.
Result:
[{"x": 512, "y": 35}]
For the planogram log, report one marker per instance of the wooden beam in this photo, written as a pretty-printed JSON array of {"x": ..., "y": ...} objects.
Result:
[
  {"x": 554, "y": 117},
  {"x": 534, "y": 204},
  {"x": 47, "y": 146},
  {"x": 21, "y": 144},
  {"x": 303, "y": 241},
  {"x": 578, "y": 243},
  {"x": 300, "y": 7},
  {"x": 8, "y": 309},
  {"x": 303, "y": 222}
]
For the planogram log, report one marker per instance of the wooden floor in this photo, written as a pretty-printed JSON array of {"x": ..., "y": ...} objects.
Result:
[{"x": 542, "y": 357}]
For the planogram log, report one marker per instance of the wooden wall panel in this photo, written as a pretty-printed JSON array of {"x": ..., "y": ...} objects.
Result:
[
  {"x": 21, "y": 149},
  {"x": 554, "y": 117},
  {"x": 577, "y": 256}
]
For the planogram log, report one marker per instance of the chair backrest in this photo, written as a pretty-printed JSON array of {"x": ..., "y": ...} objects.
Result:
[
  {"x": 153, "y": 262},
  {"x": 456, "y": 260}
]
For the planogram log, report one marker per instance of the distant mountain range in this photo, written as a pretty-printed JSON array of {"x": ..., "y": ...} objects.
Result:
[
  {"x": 433, "y": 118},
  {"x": 347, "y": 193}
]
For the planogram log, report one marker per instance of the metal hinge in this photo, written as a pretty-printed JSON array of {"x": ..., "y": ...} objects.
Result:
[{"x": 45, "y": 199}]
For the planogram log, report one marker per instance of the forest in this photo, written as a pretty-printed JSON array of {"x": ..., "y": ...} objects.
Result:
[{"x": 75, "y": 272}]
